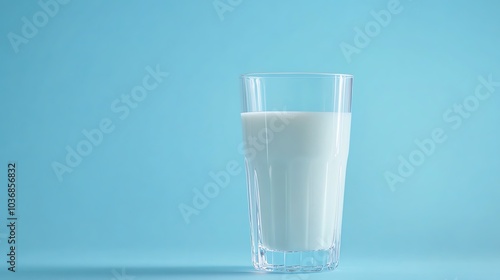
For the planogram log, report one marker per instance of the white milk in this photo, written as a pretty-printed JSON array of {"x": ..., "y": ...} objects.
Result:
[{"x": 299, "y": 173}]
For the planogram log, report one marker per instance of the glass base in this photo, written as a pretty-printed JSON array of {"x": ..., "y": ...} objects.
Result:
[{"x": 296, "y": 261}]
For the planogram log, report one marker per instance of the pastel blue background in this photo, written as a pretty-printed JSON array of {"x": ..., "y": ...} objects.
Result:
[{"x": 118, "y": 209}]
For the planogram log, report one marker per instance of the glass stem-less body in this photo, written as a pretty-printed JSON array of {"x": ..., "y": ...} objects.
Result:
[{"x": 295, "y": 164}]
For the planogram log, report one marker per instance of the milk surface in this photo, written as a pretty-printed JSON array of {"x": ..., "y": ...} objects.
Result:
[{"x": 297, "y": 161}]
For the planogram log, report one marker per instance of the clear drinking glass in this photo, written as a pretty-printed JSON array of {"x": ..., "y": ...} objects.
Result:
[{"x": 296, "y": 130}]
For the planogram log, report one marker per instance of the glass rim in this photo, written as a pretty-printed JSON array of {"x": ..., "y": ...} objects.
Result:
[{"x": 296, "y": 75}]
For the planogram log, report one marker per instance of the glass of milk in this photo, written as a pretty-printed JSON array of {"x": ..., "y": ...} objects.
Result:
[{"x": 296, "y": 130}]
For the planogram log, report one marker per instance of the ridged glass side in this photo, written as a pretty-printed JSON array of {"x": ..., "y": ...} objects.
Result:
[{"x": 284, "y": 250}]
